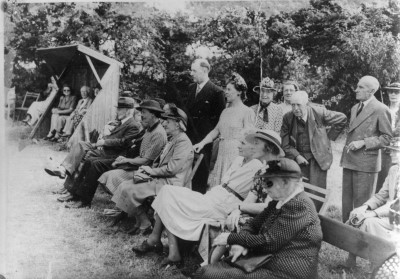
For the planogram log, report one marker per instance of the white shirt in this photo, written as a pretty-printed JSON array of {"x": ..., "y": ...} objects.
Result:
[
  {"x": 125, "y": 119},
  {"x": 201, "y": 85}
]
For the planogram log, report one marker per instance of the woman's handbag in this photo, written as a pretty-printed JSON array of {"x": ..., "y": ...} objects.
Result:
[
  {"x": 140, "y": 177},
  {"x": 251, "y": 263}
]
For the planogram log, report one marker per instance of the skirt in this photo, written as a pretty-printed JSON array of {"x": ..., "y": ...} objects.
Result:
[{"x": 113, "y": 178}]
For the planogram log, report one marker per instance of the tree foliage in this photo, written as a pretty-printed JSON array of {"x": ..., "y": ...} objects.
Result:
[{"x": 324, "y": 46}]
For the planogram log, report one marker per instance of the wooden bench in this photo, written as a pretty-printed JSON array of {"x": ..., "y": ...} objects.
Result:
[{"x": 364, "y": 245}]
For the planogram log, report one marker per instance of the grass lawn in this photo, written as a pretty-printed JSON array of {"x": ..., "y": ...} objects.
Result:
[{"x": 46, "y": 240}]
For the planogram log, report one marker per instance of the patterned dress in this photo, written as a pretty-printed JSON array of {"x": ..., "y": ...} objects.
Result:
[
  {"x": 275, "y": 116},
  {"x": 232, "y": 122},
  {"x": 291, "y": 233}
]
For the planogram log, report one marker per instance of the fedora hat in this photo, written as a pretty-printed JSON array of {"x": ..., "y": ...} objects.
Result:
[
  {"x": 268, "y": 135},
  {"x": 267, "y": 84},
  {"x": 283, "y": 167},
  {"x": 394, "y": 144},
  {"x": 151, "y": 105},
  {"x": 393, "y": 86},
  {"x": 125, "y": 102},
  {"x": 176, "y": 114}
]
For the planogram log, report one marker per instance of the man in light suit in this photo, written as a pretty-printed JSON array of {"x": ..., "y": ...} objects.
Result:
[
  {"x": 205, "y": 103},
  {"x": 305, "y": 140},
  {"x": 369, "y": 131}
]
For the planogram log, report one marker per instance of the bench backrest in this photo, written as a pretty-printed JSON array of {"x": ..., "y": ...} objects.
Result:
[
  {"x": 362, "y": 244},
  {"x": 318, "y": 194}
]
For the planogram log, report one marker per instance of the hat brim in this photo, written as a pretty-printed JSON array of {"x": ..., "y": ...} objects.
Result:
[
  {"x": 164, "y": 116},
  {"x": 268, "y": 138},
  {"x": 393, "y": 148},
  {"x": 125, "y": 106},
  {"x": 150, "y": 108},
  {"x": 257, "y": 89},
  {"x": 391, "y": 88},
  {"x": 280, "y": 174}
]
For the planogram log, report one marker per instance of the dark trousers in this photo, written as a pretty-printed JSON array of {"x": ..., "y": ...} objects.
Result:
[
  {"x": 386, "y": 165},
  {"x": 358, "y": 187},
  {"x": 316, "y": 176},
  {"x": 93, "y": 169},
  {"x": 199, "y": 182}
]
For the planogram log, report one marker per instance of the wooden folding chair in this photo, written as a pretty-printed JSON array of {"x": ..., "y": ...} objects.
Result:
[{"x": 23, "y": 107}]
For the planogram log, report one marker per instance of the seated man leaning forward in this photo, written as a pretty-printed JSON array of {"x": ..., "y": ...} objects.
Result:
[
  {"x": 184, "y": 212},
  {"x": 288, "y": 229},
  {"x": 124, "y": 131},
  {"x": 373, "y": 215},
  {"x": 173, "y": 166}
]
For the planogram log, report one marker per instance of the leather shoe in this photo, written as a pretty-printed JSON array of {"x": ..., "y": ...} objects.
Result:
[
  {"x": 146, "y": 248},
  {"x": 78, "y": 204},
  {"x": 55, "y": 172},
  {"x": 67, "y": 198},
  {"x": 167, "y": 263},
  {"x": 61, "y": 191}
]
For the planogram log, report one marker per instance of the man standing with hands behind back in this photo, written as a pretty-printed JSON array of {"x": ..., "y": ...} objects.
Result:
[
  {"x": 204, "y": 106},
  {"x": 369, "y": 131}
]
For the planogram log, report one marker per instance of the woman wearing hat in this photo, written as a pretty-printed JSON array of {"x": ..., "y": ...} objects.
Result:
[
  {"x": 173, "y": 166},
  {"x": 233, "y": 120},
  {"x": 288, "y": 229},
  {"x": 268, "y": 114},
  {"x": 184, "y": 212}
]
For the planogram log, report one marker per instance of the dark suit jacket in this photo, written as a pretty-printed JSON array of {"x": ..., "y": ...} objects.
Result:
[
  {"x": 317, "y": 120},
  {"x": 120, "y": 138},
  {"x": 373, "y": 126},
  {"x": 203, "y": 110},
  {"x": 292, "y": 234}
]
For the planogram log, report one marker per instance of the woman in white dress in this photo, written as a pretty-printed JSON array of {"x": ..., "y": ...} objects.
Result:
[
  {"x": 184, "y": 212},
  {"x": 233, "y": 120}
]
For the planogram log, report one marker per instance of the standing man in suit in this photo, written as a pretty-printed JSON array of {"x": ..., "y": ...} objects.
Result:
[
  {"x": 369, "y": 131},
  {"x": 204, "y": 106},
  {"x": 305, "y": 140},
  {"x": 116, "y": 137}
]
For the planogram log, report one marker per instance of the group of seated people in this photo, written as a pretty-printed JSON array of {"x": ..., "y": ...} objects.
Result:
[
  {"x": 66, "y": 115},
  {"x": 260, "y": 198}
]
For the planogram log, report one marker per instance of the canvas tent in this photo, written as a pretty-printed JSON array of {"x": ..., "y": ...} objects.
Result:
[{"x": 78, "y": 65}]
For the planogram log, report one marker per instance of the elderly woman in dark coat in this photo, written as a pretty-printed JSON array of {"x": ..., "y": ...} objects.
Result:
[{"x": 288, "y": 229}]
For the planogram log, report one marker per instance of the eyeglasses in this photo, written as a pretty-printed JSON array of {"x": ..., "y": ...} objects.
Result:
[
  {"x": 394, "y": 92},
  {"x": 66, "y": 90}
]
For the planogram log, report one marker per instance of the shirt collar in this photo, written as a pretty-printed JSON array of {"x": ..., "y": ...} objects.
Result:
[
  {"x": 201, "y": 85},
  {"x": 367, "y": 101},
  {"x": 125, "y": 119},
  {"x": 291, "y": 196}
]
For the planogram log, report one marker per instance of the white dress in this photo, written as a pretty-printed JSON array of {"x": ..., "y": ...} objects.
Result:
[
  {"x": 232, "y": 122},
  {"x": 184, "y": 212}
]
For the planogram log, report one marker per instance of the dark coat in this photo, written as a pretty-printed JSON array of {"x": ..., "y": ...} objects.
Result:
[
  {"x": 317, "y": 120},
  {"x": 203, "y": 110}
]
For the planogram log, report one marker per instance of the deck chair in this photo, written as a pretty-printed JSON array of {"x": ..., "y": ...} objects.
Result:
[
  {"x": 321, "y": 197},
  {"x": 24, "y": 107}
]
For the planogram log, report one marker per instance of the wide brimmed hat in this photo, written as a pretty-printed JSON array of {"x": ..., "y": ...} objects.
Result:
[
  {"x": 176, "y": 114},
  {"x": 268, "y": 135},
  {"x": 125, "y": 102},
  {"x": 266, "y": 83},
  {"x": 393, "y": 86},
  {"x": 151, "y": 105},
  {"x": 283, "y": 167},
  {"x": 394, "y": 144}
]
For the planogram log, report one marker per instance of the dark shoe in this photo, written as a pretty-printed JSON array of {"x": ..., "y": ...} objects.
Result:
[
  {"x": 118, "y": 219},
  {"x": 146, "y": 248},
  {"x": 78, "y": 204},
  {"x": 139, "y": 231},
  {"x": 61, "y": 191},
  {"x": 67, "y": 198},
  {"x": 48, "y": 137},
  {"x": 55, "y": 172},
  {"x": 167, "y": 263}
]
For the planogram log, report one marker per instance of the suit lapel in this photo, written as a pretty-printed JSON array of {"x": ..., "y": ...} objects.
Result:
[
  {"x": 311, "y": 123},
  {"x": 293, "y": 131},
  {"x": 364, "y": 114},
  {"x": 164, "y": 154},
  {"x": 203, "y": 92},
  {"x": 120, "y": 127}
]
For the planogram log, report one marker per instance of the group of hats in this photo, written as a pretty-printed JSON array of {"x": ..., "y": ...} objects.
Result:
[{"x": 152, "y": 105}]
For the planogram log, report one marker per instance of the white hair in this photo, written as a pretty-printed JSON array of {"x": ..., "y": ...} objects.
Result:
[
  {"x": 371, "y": 82},
  {"x": 302, "y": 95}
]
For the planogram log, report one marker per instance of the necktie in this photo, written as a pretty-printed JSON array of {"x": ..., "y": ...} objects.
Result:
[
  {"x": 265, "y": 108},
  {"x": 360, "y": 108},
  {"x": 301, "y": 121},
  {"x": 198, "y": 89}
]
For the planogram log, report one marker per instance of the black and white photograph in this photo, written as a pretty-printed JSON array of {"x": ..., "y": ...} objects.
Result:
[{"x": 179, "y": 139}]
